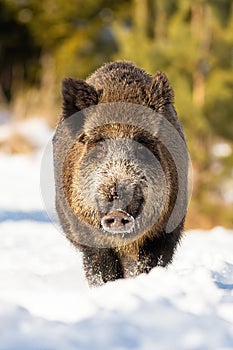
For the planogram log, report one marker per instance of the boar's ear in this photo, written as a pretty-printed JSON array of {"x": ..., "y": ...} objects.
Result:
[
  {"x": 160, "y": 92},
  {"x": 77, "y": 95}
]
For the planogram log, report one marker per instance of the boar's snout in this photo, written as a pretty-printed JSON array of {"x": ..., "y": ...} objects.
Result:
[
  {"x": 123, "y": 196},
  {"x": 117, "y": 222}
]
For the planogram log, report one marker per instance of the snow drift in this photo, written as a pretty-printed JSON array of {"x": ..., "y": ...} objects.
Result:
[{"x": 45, "y": 302}]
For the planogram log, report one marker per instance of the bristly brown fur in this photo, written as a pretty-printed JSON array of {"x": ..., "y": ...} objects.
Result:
[
  {"x": 114, "y": 82},
  {"x": 160, "y": 92},
  {"x": 77, "y": 95}
]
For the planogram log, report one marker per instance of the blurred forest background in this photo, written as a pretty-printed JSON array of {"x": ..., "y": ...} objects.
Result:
[{"x": 43, "y": 41}]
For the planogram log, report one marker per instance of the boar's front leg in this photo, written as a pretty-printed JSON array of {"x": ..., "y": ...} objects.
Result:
[
  {"x": 101, "y": 265},
  {"x": 159, "y": 250}
]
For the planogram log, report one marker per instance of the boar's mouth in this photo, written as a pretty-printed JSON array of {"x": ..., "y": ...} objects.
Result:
[{"x": 118, "y": 222}]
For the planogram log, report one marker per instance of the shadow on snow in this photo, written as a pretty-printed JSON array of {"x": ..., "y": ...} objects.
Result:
[{"x": 34, "y": 215}]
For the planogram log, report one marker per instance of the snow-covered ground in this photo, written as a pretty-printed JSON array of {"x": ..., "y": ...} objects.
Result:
[{"x": 45, "y": 303}]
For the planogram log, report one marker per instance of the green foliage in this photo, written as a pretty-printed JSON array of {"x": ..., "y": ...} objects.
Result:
[
  {"x": 76, "y": 34},
  {"x": 191, "y": 41}
]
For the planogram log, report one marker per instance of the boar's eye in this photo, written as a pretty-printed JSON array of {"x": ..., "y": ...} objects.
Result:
[
  {"x": 96, "y": 151},
  {"x": 101, "y": 149},
  {"x": 143, "y": 154}
]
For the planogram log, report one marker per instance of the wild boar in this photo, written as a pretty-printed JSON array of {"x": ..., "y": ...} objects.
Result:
[{"x": 121, "y": 164}]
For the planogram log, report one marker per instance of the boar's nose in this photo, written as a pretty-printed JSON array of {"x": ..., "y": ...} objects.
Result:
[{"x": 117, "y": 221}]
